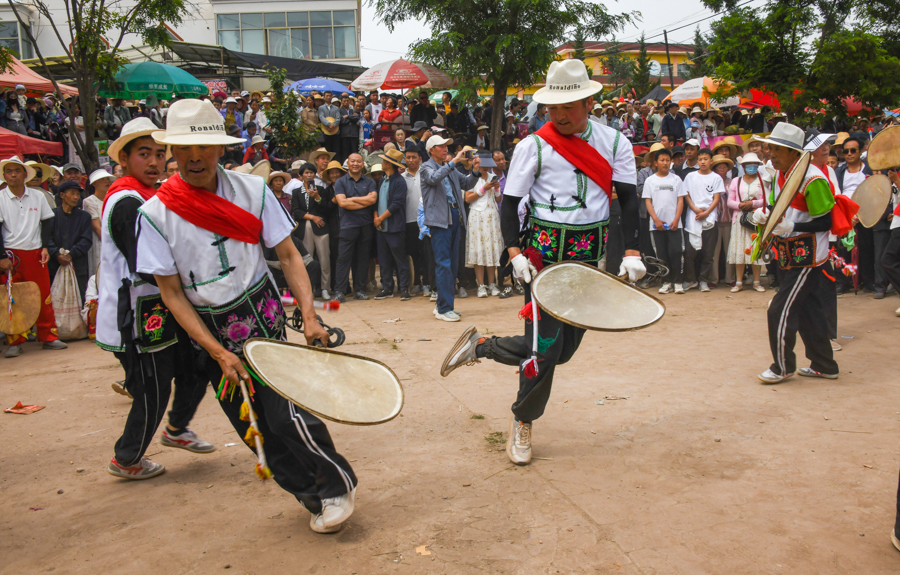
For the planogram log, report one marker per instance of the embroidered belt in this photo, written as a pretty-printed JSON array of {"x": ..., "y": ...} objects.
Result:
[
  {"x": 156, "y": 326},
  {"x": 560, "y": 242},
  {"x": 796, "y": 252},
  {"x": 256, "y": 313}
]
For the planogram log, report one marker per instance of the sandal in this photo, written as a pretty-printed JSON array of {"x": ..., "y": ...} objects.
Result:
[
  {"x": 738, "y": 286},
  {"x": 758, "y": 287}
]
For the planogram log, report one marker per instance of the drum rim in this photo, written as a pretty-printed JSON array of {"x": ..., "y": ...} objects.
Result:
[
  {"x": 596, "y": 269},
  {"x": 324, "y": 350},
  {"x": 873, "y": 150},
  {"x": 875, "y": 178}
]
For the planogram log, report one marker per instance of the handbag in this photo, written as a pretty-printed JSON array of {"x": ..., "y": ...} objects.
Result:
[{"x": 746, "y": 220}]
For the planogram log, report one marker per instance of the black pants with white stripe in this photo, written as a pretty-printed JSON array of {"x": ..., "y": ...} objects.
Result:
[
  {"x": 150, "y": 385},
  {"x": 802, "y": 305},
  {"x": 299, "y": 449}
]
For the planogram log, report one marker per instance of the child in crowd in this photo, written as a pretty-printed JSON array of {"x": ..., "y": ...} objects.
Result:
[
  {"x": 704, "y": 189},
  {"x": 664, "y": 195}
]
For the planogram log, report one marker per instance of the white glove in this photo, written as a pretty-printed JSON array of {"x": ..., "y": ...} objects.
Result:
[
  {"x": 523, "y": 268},
  {"x": 633, "y": 267},
  {"x": 783, "y": 228},
  {"x": 760, "y": 216}
]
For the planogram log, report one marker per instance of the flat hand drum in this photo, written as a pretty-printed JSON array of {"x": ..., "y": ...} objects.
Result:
[
  {"x": 338, "y": 386},
  {"x": 884, "y": 149},
  {"x": 26, "y": 307},
  {"x": 872, "y": 196},
  {"x": 584, "y": 296}
]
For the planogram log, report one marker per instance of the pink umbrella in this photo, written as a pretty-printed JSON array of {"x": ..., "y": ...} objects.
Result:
[{"x": 402, "y": 74}]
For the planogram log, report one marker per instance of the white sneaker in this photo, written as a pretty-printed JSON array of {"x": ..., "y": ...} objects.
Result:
[
  {"x": 737, "y": 287},
  {"x": 334, "y": 512},
  {"x": 679, "y": 288},
  {"x": 446, "y": 316},
  {"x": 325, "y": 295},
  {"x": 462, "y": 352},
  {"x": 770, "y": 376},
  {"x": 187, "y": 440},
  {"x": 810, "y": 372},
  {"x": 666, "y": 288},
  {"x": 703, "y": 286},
  {"x": 482, "y": 291},
  {"x": 495, "y": 291},
  {"x": 689, "y": 286},
  {"x": 144, "y": 469},
  {"x": 433, "y": 296},
  {"x": 518, "y": 444}
]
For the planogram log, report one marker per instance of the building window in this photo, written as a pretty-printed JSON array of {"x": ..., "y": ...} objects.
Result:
[
  {"x": 301, "y": 35},
  {"x": 664, "y": 70},
  {"x": 10, "y": 39}
]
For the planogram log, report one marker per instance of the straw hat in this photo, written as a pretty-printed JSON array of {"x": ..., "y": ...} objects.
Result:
[
  {"x": 753, "y": 138},
  {"x": 376, "y": 168},
  {"x": 841, "y": 136},
  {"x": 243, "y": 168},
  {"x": 256, "y": 94},
  {"x": 696, "y": 110},
  {"x": 46, "y": 170},
  {"x": 132, "y": 130},
  {"x": 721, "y": 160},
  {"x": 656, "y": 147},
  {"x": 320, "y": 152},
  {"x": 484, "y": 127},
  {"x": 194, "y": 123},
  {"x": 257, "y": 139},
  {"x": 335, "y": 165},
  {"x": 283, "y": 175},
  {"x": 683, "y": 110},
  {"x": 787, "y": 136},
  {"x": 262, "y": 169},
  {"x": 750, "y": 158},
  {"x": 730, "y": 143},
  {"x": 29, "y": 171},
  {"x": 567, "y": 81},
  {"x": 394, "y": 157}
]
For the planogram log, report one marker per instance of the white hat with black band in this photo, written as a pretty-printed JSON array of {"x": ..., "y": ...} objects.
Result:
[
  {"x": 194, "y": 123},
  {"x": 567, "y": 81},
  {"x": 787, "y": 136}
]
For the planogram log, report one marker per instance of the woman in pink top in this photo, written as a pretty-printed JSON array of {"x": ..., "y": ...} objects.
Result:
[{"x": 746, "y": 193}]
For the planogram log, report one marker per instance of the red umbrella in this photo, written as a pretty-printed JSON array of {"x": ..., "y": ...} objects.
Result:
[{"x": 402, "y": 74}]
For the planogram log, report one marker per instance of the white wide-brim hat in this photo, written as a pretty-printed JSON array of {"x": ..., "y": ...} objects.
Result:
[
  {"x": 787, "y": 136},
  {"x": 194, "y": 123},
  {"x": 567, "y": 81},
  {"x": 132, "y": 130},
  {"x": 29, "y": 171},
  {"x": 46, "y": 170},
  {"x": 283, "y": 175},
  {"x": 257, "y": 139},
  {"x": 749, "y": 158},
  {"x": 98, "y": 175}
]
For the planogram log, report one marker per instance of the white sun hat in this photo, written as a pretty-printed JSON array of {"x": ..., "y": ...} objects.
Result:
[
  {"x": 787, "y": 136},
  {"x": 194, "y": 123},
  {"x": 98, "y": 175},
  {"x": 257, "y": 139},
  {"x": 132, "y": 130},
  {"x": 749, "y": 158},
  {"x": 567, "y": 81},
  {"x": 29, "y": 171}
]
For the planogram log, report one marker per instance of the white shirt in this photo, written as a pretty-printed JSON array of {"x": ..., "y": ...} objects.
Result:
[
  {"x": 21, "y": 218},
  {"x": 374, "y": 110},
  {"x": 413, "y": 195},
  {"x": 701, "y": 188},
  {"x": 852, "y": 181},
  {"x": 664, "y": 194},
  {"x": 539, "y": 171},
  {"x": 93, "y": 205},
  {"x": 291, "y": 186}
]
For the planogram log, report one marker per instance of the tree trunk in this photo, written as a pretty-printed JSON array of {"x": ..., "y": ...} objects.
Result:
[
  {"x": 88, "y": 104},
  {"x": 498, "y": 116}
]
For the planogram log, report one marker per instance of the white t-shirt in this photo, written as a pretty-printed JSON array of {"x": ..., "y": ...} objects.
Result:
[
  {"x": 21, "y": 218},
  {"x": 702, "y": 187},
  {"x": 93, "y": 205},
  {"x": 540, "y": 172},
  {"x": 663, "y": 194},
  {"x": 851, "y": 182},
  {"x": 291, "y": 186}
]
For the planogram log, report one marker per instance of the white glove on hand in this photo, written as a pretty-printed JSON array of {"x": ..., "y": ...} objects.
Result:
[
  {"x": 760, "y": 216},
  {"x": 523, "y": 268},
  {"x": 783, "y": 228},
  {"x": 633, "y": 267}
]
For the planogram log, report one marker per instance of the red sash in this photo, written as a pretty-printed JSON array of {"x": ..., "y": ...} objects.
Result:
[
  {"x": 128, "y": 183},
  {"x": 206, "y": 210},
  {"x": 581, "y": 155}
]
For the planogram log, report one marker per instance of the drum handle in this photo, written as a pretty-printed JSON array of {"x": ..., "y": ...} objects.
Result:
[{"x": 262, "y": 469}]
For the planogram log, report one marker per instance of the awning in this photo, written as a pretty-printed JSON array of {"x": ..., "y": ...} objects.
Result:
[
  {"x": 15, "y": 144},
  {"x": 35, "y": 84}
]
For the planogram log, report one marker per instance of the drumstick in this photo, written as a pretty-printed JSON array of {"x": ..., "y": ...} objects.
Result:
[{"x": 262, "y": 470}]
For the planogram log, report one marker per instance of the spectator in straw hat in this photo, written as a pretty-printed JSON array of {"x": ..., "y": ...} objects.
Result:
[
  {"x": 390, "y": 227},
  {"x": 256, "y": 153}
]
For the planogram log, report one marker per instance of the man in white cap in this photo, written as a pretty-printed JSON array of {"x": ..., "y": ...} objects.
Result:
[
  {"x": 231, "y": 115},
  {"x": 98, "y": 182},
  {"x": 200, "y": 238},
  {"x": 802, "y": 302},
  {"x": 25, "y": 225},
  {"x": 567, "y": 171},
  {"x": 133, "y": 322}
]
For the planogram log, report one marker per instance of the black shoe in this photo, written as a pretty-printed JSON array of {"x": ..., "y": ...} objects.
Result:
[
  {"x": 879, "y": 295},
  {"x": 519, "y": 289},
  {"x": 404, "y": 296},
  {"x": 361, "y": 295},
  {"x": 507, "y": 292},
  {"x": 338, "y": 297},
  {"x": 383, "y": 294}
]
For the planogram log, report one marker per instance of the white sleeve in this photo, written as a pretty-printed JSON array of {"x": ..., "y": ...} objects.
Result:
[
  {"x": 154, "y": 255},
  {"x": 719, "y": 188},
  {"x": 277, "y": 224},
  {"x": 649, "y": 184},
  {"x": 680, "y": 190},
  {"x": 522, "y": 169},
  {"x": 624, "y": 167}
]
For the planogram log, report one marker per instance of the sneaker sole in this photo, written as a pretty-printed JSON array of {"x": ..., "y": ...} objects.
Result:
[
  {"x": 323, "y": 530},
  {"x": 773, "y": 382},
  {"x": 136, "y": 477},
  {"x": 453, "y": 350},
  {"x": 819, "y": 375},
  {"x": 445, "y": 318},
  {"x": 169, "y": 443}
]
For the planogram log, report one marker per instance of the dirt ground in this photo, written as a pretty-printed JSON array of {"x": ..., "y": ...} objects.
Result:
[{"x": 696, "y": 468}]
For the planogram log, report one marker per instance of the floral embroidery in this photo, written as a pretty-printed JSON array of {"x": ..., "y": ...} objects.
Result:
[
  {"x": 154, "y": 322},
  {"x": 800, "y": 253},
  {"x": 581, "y": 247},
  {"x": 544, "y": 343},
  {"x": 271, "y": 310},
  {"x": 236, "y": 331},
  {"x": 546, "y": 242}
]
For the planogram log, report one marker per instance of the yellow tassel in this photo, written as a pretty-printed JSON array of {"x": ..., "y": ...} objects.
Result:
[
  {"x": 263, "y": 472},
  {"x": 248, "y": 437},
  {"x": 245, "y": 411}
]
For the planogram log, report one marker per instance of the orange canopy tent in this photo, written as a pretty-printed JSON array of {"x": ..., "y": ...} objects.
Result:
[
  {"x": 35, "y": 84},
  {"x": 14, "y": 144}
]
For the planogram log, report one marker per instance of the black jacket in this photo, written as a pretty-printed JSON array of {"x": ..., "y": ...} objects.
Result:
[
  {"x": 396, "y": 204},
  {"x": 674, "y": 126},
  {"x": 302, "y": 205}
]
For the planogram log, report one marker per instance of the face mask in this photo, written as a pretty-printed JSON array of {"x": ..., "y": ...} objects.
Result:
[{"x": 751, "y": 169}]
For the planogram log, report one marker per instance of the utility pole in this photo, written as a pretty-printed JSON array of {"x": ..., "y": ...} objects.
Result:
[{"x": 668, "y": 59}]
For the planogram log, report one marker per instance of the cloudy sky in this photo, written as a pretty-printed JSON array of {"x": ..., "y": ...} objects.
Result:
[{"x": 378, "y": 45}]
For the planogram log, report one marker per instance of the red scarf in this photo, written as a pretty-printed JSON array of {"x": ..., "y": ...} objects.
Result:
[
  {"x": 206, "y": 210},
  {"x": 126, "y": 183},
  {"x": 581, "y": 155}
]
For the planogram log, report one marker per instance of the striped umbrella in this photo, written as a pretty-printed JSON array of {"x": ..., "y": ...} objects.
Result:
[{"x": 402, "y": 74}]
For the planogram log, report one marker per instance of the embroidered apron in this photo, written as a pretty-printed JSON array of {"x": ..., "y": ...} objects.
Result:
[{"x": 796, "y": 252}]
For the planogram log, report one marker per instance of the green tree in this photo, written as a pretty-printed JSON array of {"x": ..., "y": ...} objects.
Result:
[
  {"x": 620, "y": 66},
  {"x": 92, "y": 34},
  {"x": 700, "y": 65},
  {"x": 641, "y": 81},
  {"x": 289, "y": 133},
  {"x": 578, "y": 46},
  {"x": 508, "y": 43}
]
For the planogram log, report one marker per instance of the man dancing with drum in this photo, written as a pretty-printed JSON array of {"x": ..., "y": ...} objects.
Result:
[
  {"x": 133, "y": 322},
  {"x": 802, "y": 302},
  {"x": 200, "y": 237},
  {"x": 567, "y": 170}
]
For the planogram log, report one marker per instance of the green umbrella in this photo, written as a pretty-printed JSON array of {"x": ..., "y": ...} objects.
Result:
[
  {"x": 436, "y": 96},
  {"x": 145, "y": 78}
]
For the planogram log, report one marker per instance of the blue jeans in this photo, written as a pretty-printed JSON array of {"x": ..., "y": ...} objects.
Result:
[{"x": 445, "y": 243}]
